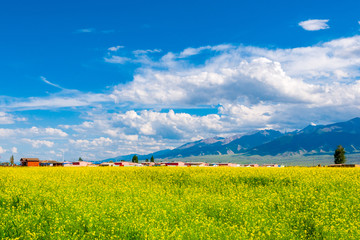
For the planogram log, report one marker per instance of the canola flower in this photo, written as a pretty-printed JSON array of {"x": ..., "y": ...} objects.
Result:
[{"x": 179, "y": 203}]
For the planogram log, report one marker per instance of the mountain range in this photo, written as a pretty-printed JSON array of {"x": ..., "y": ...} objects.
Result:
[{"x": 310, "y": 140}]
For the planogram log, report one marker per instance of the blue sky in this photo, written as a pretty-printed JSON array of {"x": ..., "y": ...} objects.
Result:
[{"x": 100, "y": 79}]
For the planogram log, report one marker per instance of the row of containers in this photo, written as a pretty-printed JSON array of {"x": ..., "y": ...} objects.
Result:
[{"x": 35, "y": 162}]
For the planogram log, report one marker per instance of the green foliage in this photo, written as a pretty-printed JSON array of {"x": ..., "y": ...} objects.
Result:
[
  {"x": 12, "y": 160},
  {"x": 152, "y": 159},
  {"x": 339, "y": 155},
  {"x": 80, "y": 159},
  {"x": 135, "y": 159},
  {"x": 146, "y": 160}
]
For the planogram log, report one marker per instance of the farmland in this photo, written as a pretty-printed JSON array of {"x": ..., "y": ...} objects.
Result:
[{"x": 179, "y": 203}]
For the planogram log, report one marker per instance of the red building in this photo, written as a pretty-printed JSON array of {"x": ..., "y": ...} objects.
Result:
[
  {"x": 175, "y": 164},
  {"x": 125, "y": 164},
  {"x": 30, "y": 162}
]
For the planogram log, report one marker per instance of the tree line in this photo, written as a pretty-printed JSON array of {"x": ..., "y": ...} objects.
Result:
[{"x": 135, "y": 159}]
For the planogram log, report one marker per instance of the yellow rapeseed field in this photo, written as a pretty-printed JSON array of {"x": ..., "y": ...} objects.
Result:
[{"x": 179, "y": 203}]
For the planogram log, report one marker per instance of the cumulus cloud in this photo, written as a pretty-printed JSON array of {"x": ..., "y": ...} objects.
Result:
[
  {"x": 312, "y": 75},
  {"x": 97, "y": 142},
  {"x": 55, "y": 132},
  {"x": 14, "y": 150},
  {"x": 314, "y": 24},
  {"x": 324, "y": 60},
  {"x": 7, "y": 118},
  {"x": 246, "y": 88},
  {"x": 168, "y": 125},
  {"x": 39, "y": 143},
  {"x": 258, "y": 80},
  {"x": 2, "y": 150}
]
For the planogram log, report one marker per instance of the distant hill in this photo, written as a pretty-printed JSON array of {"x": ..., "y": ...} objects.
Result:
[
  {"x": 315, "y": 140},
  {"x": 211, "y": 146}
]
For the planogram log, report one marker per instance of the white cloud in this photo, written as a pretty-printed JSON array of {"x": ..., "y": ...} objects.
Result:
[
  {"x": 312, "y": 75},
  {"x": 85, "y": 30},
  {"x": 55, "y": 132},
  {"x": 39, "y": 143},
  {"x": 314, "y": 24},
  {"x": 115, "y": 48},
  {"x": 2, "y": 150},
  {"x": 97, "y": 142},
  {"x": 192, "y": 51},
  {"x": 6, "y": 118},
  {"x": 14, "y": 150},
  {"x": 140, "y": 51},
  {"x": 320, "y": 61},
  {"x": 251, "y": 88},
  {"x": 168, "y": 125},
  {"x": 260, "y": 79},
  {"x": 117, "y": 59},
  {"x": 32, "y": 132},
  {"x": 50, "y": 83},
  {"x": 70, "y": 98}
]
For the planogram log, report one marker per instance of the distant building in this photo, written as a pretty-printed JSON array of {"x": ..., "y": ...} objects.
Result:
[
  {"x": 148, "y": 164},
  {"x": 125, "y": 164},
  {"x": 252, "y": 165},
  {"x": 29, "y": 162},
  {"x": 50, "y": 163},
  {"x": 67, "y": 164},
  {"x": 107, "y": 164},
  {"x": 196, "y": 164},
  {"x": 270, "y": 165},
  {"x": 344, "y": 165},
  {"x": 175, "y": 164},
  {"x": 81, "y": 164},
  {"x": 227, "y": 164}
]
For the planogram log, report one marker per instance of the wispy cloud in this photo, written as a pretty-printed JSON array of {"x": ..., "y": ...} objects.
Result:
[
  {"x": 140, "y": 51},
  {"x": 192, "y": 51},
  {"x": 85, "y": 30},
  {"x": 50, "y": 83},
  {"x": 115, "y": 48},
  {"x": 117, "y": 59},
  {"x": 314, "y": 24}
]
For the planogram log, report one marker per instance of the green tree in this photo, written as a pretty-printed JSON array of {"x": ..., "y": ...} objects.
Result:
[
  {"x": 339, "y": 155},
  {"x": 146, "y": 160},
  {"x": 12, "y": 160},
  {"x": 80, "y": 159},
  {"x": 111, "y": 161},
  {"x": 152, "y": 159},
  {"x": 135, "y": 159}
]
